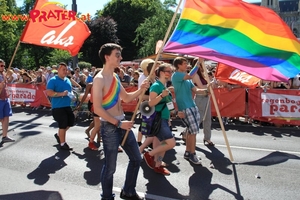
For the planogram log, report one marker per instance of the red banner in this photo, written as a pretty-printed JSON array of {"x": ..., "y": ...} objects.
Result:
[
  {"x": 235, "y": 76},
  {"x": 276, "y": 106},
  {"x": 53, "y": 26},
  {"x": 28, "y": 93},
  {"x": 231, "y": 103}
]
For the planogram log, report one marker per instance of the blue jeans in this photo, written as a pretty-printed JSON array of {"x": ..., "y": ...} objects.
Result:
[{"x": 112, "y": 137}]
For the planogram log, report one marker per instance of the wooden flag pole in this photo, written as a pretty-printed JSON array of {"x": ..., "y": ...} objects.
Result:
[
  {"x": 13, "y": 57},
  {"x": 153, "y": 68},
  {"x": 218, "y": 111}
]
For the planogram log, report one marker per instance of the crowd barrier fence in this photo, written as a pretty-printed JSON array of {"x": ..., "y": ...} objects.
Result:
[{"x": 278, "y": 106}]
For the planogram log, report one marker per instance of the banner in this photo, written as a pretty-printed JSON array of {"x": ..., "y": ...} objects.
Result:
[
  {"x": 53, "y": 26},
  {"x": 231, "y": 103},
  {"x": 28, "y": 93},
  {"x": 277, "y": 106},
  {"x": 231, "y": 75}
]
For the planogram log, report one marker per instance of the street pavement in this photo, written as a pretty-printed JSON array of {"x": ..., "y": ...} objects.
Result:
[{"x": 265, "y": 164}]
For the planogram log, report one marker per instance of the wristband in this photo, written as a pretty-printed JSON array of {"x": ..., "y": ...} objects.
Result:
[
  {"x": 119, "y": 124},
  {"x": 55, "y": 94},
  {"x": 161, "y": 95}
]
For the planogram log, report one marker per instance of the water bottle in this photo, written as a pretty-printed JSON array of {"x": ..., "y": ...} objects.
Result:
[{"x": 71, "y": 95}]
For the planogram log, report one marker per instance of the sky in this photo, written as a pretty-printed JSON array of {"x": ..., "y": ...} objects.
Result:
[{"x": 91, "y": 6}]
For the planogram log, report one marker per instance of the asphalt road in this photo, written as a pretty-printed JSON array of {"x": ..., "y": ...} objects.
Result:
[{"x": 266, "y": 164}]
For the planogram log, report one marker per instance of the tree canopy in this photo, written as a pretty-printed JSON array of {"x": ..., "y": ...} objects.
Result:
[{"x": 134, "y": 24}]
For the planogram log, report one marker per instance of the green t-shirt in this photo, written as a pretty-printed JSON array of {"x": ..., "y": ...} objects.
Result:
[{"x": 158, "y": 87}]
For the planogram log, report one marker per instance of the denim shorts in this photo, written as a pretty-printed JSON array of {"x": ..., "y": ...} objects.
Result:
[{"x": 165, "y": 132}]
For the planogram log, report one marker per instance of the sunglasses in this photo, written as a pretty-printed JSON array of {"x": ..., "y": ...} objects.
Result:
[{"x": 169, "y": 71}]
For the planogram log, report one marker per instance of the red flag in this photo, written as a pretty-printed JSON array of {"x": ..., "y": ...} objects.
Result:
[
  {"x": 235, "y": 76},
  {"x": 53, "y": 26}
]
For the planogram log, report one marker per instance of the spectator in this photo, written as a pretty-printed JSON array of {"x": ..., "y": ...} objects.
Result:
[
  {"x": 40, "y": 79},
  {"x": 89, "y": 77},
  {"x": 135, "y": 80},
  {"x": 76, "y": 74},
  {"x": 6, "y": 111},
  {"x": 48, "y": 74},
  {"x": 124, "y": 78}
]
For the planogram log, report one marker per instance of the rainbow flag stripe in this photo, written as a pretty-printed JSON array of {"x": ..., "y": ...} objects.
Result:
[
  {"x": 112, "y": 96},
  {"x": 251, "y": 38}
]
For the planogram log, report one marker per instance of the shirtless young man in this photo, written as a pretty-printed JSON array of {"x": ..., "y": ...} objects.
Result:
[{"x": 107, "y": 95}]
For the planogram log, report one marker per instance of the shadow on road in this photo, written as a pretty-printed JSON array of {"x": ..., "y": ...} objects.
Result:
[
  {"x": 48, "y": 166},
  {"x": 94, "y": 162},
  {"x": 39, "y": 194},
  {"x": 218, "y": 160},
  {"x": 158, "y": 184},
  {"x": 201, "y": 187},
  {"x": 272, "y": 159}
]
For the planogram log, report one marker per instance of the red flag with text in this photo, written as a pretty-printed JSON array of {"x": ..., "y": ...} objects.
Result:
[
  {"x": 52, "y": 26},
  {"x": 231, "y": 75}
]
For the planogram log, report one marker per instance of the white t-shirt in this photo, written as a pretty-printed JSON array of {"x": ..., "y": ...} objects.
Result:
[
  {"x": 141, "y": 79},
  {"x": 15, "y": 77}
]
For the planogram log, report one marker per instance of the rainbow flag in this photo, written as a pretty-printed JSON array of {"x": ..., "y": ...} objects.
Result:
[{"x": 251, "y": 38}]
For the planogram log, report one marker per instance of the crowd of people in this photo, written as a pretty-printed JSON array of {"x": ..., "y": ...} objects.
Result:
[{"x": 106, "y": 87}]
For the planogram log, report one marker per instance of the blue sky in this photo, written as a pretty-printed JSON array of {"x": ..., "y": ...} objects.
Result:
[{"x": 91, "y": 6}]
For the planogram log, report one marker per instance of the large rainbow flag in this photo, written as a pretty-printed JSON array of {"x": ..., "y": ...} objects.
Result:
[{"x": 251, "y": 38}]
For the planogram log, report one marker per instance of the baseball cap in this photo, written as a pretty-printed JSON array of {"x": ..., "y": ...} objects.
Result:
[{"x": 49, "y": 68}]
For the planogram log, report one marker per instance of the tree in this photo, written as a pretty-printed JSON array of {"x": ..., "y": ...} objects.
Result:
[
  {"x": 83, "y": 65},
  {"x": 129, "y": 14},
  {"x": 103, "y": 30},
  {"x": 33, "y": 52},
  {"x": 8, "y": 36},
  {"x": 155, "y": 27}
]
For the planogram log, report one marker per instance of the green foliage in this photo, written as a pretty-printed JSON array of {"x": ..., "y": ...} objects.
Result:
[
  {"x": 134, "y": 24},
  {"x": 83, "y": 65},
  {"x": 103, "y": 30},
  {"x": 129, "y": 14},
  {"x": 58, "y": 55},
  {"x": 154, "y": 28},
  {"x": 8, "y": 36}
]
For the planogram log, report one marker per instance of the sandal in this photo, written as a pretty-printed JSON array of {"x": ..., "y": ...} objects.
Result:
[{"x": 208, "y": 143}]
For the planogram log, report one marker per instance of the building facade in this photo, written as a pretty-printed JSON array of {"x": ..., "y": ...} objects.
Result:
[{"x": 288, "y": 10}]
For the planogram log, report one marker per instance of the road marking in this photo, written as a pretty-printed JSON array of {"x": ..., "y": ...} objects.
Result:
[
  {"x": 260, "y": 149},
  {"x": 141, "y": 194}
]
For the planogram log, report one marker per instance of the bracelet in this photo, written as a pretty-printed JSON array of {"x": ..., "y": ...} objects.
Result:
[
  {"x": 55, "y": 94},
  {"x": 161, "y": 96},
  {"x": 119, "y": 124}
]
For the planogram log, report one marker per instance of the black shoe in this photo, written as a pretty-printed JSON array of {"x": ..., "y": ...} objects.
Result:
[
  {"x": 66, "y": 147},
  {"x": 135, "y": 197},
  {"x": 57, "y": 138}
]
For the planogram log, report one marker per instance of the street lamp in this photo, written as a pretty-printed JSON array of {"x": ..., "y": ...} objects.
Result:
[{"x": 75, "y": 58}]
